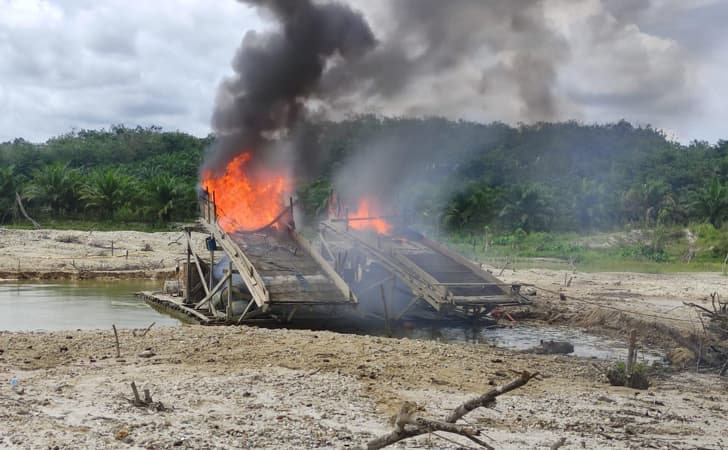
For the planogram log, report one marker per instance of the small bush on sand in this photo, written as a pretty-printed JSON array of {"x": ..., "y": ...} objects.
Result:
[{"x": 617, "y": 376}]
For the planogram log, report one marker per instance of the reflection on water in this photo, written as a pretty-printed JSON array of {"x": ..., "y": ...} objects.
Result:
[{"x": 26, "y": 306}]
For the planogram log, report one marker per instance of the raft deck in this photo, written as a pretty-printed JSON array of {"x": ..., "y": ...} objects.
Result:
[
  {"x": 278, "y": 265},
  {"x": 444, "y": 279}
]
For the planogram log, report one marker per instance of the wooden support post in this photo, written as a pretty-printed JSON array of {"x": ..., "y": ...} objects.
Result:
[
  {"x": 214, "y": 207},
  {"x": 112, "y": 248},
  {"x": 386, "y": 311},
  {"x": 631, "y": 356},
  {"x": 293, "y": 221},
  {"x": 116, "y": 337},
  {"x": 407, "y": 308},
  {"x": 188, "y": 285},
  {"x": 135, "y": 391},
  {"x": 247, "y": 308},
  {"x": 212, "y": 262},
  {"x": 203, "y": 281},
  {"x": 230, "y": 293},
  {"x": 213, "y": 291},
  {"x": 208, "y": 202}
]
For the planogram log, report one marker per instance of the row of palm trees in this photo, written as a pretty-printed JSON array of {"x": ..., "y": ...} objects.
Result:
[
  {"x": 592, "y": 206},
  {"x": 107, "y": 194}
]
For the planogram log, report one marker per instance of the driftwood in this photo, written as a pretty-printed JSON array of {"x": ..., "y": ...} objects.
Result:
[{"x": 408, "y": 424}]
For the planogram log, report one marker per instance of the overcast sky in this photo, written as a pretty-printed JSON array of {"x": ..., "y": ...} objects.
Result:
[{"x": 71, "y": 64}]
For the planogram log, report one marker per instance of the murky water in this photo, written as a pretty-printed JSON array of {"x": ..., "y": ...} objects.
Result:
[
  {"x": 524, "y": 337},
  {"x": 30, "y": 306}
]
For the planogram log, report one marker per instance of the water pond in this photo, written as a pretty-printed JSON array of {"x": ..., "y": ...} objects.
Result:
[{"x": 34, "y": 306}]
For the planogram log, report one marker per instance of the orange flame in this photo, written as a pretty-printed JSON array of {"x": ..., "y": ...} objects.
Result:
[
  {"x": 368, "y": 210},
  {"x": 245, "y": 200}
]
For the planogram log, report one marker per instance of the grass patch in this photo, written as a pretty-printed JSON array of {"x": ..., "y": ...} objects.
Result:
[{"x": 662, "y": 250}]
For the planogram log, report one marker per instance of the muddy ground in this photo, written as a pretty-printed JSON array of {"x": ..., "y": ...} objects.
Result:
[{"x": 246, "y": 387}]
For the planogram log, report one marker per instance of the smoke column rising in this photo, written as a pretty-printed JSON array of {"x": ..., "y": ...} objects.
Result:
[
  {"x": 275, "y": 72},
  {"x": 432, "y": 57}
]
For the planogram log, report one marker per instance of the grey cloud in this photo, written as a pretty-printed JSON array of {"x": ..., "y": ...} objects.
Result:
[
  {"x": 482, "y": 60},
  {"x": 432, "y": 38},
  {"x": 631, "y": 74},
  {"x": 77, "y": 64}
]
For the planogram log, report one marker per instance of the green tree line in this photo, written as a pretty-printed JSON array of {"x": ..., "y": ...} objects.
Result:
[
  {"x": 120, "y": 175},
  {"x": 542, "y": 177}
]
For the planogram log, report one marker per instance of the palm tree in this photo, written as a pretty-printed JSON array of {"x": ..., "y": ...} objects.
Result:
[
  {"x": 56, "y": 186},
  {"x": 107, "y": 190},
  {"x": 472, "y": 207},
  {"x": 588, "y": 203},
  {"x": 163, "y": 197},
  {"x": 8, "y": 186},
  {"x": 710, "y": 202},
  {"x": 529, "y": 208}
]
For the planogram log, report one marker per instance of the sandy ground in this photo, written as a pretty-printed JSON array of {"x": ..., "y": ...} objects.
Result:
[
  {"x": 242, "y": 387},
  {"x": 653, "y": 297},
  {"x": 54, "y": 254}
]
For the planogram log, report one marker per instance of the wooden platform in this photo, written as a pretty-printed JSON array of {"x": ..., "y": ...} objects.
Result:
[
  {"x": 175, "y": 306},
  {"x": 278, "y": 266},
  {"x": 444, "y": 279},
  {"x": 288, "y": 270}
]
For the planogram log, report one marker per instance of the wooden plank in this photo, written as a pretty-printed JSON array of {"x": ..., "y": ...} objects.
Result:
[
  {"x": 419, "y": 286},
  {"x": 202, "y": 277},
  {"x": 214, "y": 290},
  {"x": 325, "y": 266},
  {"x": 484, "y": 300},
  {"x": 247, "y": 271},
  {"x": 460, "y": 259}
]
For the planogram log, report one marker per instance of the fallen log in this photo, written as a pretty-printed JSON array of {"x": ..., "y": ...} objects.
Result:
[{"x": 408, "y": 424}]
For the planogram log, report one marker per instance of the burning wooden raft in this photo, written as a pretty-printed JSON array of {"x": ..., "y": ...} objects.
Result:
[
  {"x": 358, "y": 268},
  {"x": 272, "y": 272},
  {"x": 402, "y": 274}
]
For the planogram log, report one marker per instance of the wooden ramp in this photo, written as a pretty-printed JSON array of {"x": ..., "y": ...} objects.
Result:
[
  {"x": 445, "y": 280},
  {"x": 278, "y": 266},
  {"x": 289, "y": 270}
]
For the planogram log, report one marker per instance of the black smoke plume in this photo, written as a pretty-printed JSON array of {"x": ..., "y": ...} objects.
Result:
[
  {"x": 453, "y": 58},
  {"x": 276, "y": 72}
]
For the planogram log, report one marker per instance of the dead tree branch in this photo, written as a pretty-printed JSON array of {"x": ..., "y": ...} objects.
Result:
[
  {"x": 489, "y": 397},
  {"x": 408, "y": 424},
  {"x": 19, "y": 201}
]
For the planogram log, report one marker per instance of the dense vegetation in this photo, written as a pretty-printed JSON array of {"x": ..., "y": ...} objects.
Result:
[
  {"x": 511, "y": 182},
  {"x": 121, "y": 175}
]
